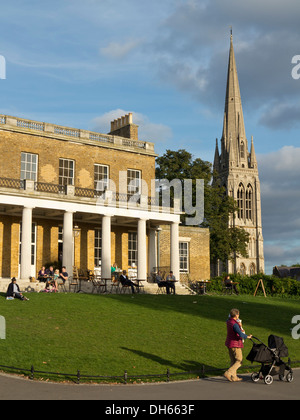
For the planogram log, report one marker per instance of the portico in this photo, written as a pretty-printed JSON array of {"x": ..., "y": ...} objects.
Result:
[{"x": 109, "y": 220}]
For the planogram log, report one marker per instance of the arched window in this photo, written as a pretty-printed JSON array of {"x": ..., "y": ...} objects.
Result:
[
  {"x": 241, "y": 201},
  {"x": 252, "y": 269},
  {"x": 249, "y": 202},
  {"x": 242, "y": 269}
]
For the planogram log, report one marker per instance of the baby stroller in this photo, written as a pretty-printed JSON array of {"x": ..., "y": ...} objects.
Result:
[{"x": 270, "y": 359}]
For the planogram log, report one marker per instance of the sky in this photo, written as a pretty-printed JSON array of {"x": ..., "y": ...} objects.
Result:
[{"x": 82, "y": 64}]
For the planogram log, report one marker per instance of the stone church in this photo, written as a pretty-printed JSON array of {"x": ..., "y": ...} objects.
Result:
[{"x": 238, "y": 172}]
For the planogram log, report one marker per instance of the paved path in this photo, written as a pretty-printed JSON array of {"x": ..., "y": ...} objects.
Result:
[{"x": 16, "y": 388}]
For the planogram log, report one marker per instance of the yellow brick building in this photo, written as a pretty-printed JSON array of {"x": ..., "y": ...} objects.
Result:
[{"x": 87, "y": 199}]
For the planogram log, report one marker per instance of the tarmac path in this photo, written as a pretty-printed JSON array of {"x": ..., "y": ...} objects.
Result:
[{"x": 217, "y": 388}]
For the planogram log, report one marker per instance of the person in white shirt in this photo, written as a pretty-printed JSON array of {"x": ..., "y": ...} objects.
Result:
[{"x": 13, "y": 291}]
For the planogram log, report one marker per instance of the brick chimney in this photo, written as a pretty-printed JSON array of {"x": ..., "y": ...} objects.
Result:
[{"x": 123, "y": 127}]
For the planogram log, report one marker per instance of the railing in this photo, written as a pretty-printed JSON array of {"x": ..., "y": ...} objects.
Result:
[
  {"x": 80, "y": 377},
  {"x": 87, "y": 192},
  {"x": 76, "y": 133},
  {"x": 50, "y": 188},
  {"x": 11, "y": 183},
  {"x": 109, "y": 197}
]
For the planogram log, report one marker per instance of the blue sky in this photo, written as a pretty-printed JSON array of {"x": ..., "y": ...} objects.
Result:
[{"x": 82, "y": 64}]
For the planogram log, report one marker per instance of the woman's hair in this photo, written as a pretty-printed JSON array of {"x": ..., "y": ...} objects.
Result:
[{"x": 234, "y": 312}]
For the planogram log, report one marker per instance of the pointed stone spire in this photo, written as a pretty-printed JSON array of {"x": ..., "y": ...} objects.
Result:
[
  {"x": 253, "y": 161},
  {"x": 233, "y": 119},
  {"x": 217, "y": 158}
]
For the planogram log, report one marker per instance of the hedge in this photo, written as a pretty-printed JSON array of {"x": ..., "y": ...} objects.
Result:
[{"x": 274, "y": 286}]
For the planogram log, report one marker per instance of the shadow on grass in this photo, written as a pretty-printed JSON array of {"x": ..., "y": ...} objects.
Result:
[
  {"x": 273, "y": 314},
  {"x": 185, "y": 366}
]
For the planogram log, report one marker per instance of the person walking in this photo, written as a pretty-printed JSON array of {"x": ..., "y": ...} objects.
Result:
[{"x": 234, "y": 343}]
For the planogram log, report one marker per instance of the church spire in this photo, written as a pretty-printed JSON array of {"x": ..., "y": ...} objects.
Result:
[
  {"x": 253, "y": 161},
  {"x": 217, "y": 158},
  {"x": 234, "y": 119}
]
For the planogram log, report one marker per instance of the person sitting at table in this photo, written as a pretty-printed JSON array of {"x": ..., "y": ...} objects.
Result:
[
  {"x": 42, "y": 276},
  {"x": 50, "y": 271},
  {"x": 114, "y": 273},
  {"x": 162, "y": 283},
  {"x": 54, "y": 281},
  {"x": 229, "y": 283},
  {"x": 49, "y": 278},
  {"x": 171, "y": 281},
  {"x": 126, "y": 282},
  {"x": 63, "y": 276}
]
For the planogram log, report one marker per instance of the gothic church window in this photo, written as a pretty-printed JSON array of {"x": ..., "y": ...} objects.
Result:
[
  {"x": 249, "y": 202},
  {"x": 241, "y": 201},
  {"x": 243, "y": 269},
  {"x": 252, "y": 269}
]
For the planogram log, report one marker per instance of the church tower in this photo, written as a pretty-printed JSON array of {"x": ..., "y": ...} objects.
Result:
[{"x": 238, "y": 172}]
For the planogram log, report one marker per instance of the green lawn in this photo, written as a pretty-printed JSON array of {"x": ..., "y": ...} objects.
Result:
[{"x": 143, "y": 334}]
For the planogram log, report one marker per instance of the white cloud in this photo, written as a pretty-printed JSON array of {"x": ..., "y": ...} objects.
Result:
[
  {"x": 117, "y": 50},
  {"x": 280, "y": 193},
  {"x": 148, "y": 131}
]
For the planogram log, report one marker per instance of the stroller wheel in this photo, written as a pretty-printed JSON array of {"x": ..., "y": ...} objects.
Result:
[
  {"x": 268, "y": 380},
  {"x": 289, "y": 377},
  {"x": 255, "y": 377}
]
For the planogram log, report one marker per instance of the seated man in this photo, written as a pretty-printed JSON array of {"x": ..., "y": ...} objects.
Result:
[
  {"x": 126, "y": 282},
  {"x": 13, "y": 291},
  {"x": 171, "y": 281},
  {"x": 161, "y": 283},
  {"x": 63, "y": 276},
  {"x": 229, "y": 283}
]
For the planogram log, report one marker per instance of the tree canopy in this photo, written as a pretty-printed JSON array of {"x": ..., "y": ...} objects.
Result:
[{"x": 226, "y": 240}]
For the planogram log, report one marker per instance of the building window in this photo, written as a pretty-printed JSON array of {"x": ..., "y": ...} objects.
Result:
[
  {"x": 132, "y": 248},
  {"x": 33, "y": 244},
  {"x": 133, "y": 182},
  {"x": 184, "y": 257},
  {"x": 252, "y": 269},
  {"x": 29, "y": 165},
  {"x": 101, "y": 176},
  {"x": 240, "y": 201},
  {"x": 60, "y": 243},
  {"x": 66, "y": 172},
  {"x": 98, "y": 247},
  {"x": 243, "y": 269},
  {"x": 248, "y": 202}
]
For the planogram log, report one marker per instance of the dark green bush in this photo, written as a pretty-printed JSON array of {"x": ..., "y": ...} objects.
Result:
[{"x": 274, "y": 286}]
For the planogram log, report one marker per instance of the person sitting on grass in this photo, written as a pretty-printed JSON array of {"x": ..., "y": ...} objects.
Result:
[{"x": 13, "y": 291}]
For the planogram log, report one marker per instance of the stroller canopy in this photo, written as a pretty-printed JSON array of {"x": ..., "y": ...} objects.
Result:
[{"x": 277, "y": 343}]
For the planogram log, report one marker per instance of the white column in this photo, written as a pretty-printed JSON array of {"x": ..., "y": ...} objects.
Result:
[
  {"x": 25, "y": 269},
  {"x": 68, "y": 250},
  {"x": 152, "y": 249},
  {"x": 142, "y": 250},
  {"x": 106, "y": 248},
  {"x": 174, "y": 260}
]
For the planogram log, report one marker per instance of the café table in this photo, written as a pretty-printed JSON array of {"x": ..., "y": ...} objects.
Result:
[{"x": 202, "y": 285}]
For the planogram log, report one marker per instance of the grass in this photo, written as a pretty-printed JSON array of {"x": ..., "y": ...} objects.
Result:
[{"x": 143, "y": 334}]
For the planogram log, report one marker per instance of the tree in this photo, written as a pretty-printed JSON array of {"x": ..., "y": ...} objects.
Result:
[{"x": 225, "y": 240}]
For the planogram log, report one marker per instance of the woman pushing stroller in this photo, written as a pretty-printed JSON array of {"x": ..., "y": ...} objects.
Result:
[{"x": 234, "y": 343}]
